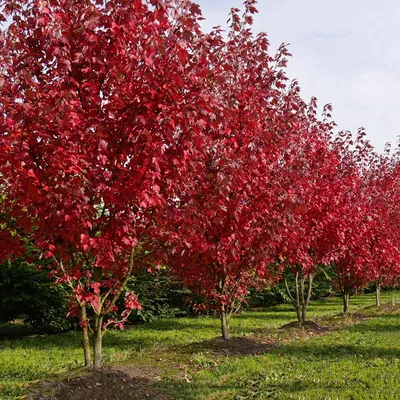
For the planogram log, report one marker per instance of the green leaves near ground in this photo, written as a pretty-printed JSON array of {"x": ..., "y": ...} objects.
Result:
[{"x": 357, "y": 359}]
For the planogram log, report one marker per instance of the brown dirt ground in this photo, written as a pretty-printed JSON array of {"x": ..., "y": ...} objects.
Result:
[
  {"x": 120, "y": 383},
  {"x": 309, "y": 326}
]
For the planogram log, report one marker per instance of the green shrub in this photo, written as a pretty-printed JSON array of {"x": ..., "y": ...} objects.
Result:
[
  {"x": 160, "y": 295},
  {"x": 27, "y": 293}
]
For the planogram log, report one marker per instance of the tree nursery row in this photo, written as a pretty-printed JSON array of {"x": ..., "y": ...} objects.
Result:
[{"x": 131, "y": 140}]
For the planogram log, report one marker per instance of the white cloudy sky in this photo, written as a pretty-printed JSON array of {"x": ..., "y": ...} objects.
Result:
[{"x": 345, "y": 52}]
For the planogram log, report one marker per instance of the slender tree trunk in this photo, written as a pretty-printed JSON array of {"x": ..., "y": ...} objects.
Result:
[
  {"x": 393, "y": 300},
  {"x": 85, "y": 336},
  {"x": 378, "y": 294},
  {"x": 298, "y": 314},
  {"x": 98, "y": 331},
  {"x": 98, "y": 343},
  {"x": 303, "y": 304},
  {"x": 346, "y": 297},
  {"x": 292, "y": 299},
  {"x": 297, "y": 304},
  {"x": 225, "y": 321},
  {"x": 306, "y": 298},
  {"x": 303, "y": 314},
  {"x": 302, "y": 298}
]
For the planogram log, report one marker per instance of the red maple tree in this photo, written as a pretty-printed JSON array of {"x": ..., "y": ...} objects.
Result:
[
  {"x": 102, "y": 105},
  {"x": 228, "y": 213},
  {"x": 352, "y": 253},
  {"x": 380, "y": 191}
]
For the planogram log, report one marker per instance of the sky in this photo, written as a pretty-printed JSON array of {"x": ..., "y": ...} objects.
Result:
[{"x": 345, "y": 52}]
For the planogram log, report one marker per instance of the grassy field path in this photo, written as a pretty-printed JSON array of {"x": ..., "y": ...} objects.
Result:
[{"x": 183, "y": 359}]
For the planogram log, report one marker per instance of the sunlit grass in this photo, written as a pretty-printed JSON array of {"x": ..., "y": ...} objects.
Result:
[
  {"x": 324, "y": 366},
  {"x": 360, "y": 361}
]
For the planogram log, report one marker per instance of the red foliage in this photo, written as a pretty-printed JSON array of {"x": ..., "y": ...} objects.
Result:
[
  {"x": 354, "y": 251},
  {"x": 124, "y": 128},
  {"x": 230, "y": 211},
  {"x": 310, "y": 175},
  {"x": 102, "y": 106},
  {"x": 381, "y": 191}
]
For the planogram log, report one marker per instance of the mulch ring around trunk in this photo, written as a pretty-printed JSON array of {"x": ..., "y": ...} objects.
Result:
[
  {"x": 120, "y": 383},
  {"x": 309, "y": 326}
]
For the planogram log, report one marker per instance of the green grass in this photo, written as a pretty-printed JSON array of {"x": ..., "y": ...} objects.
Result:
[
  {"x": 356, "y": 362},
  {"x": 359, "y": 362}
]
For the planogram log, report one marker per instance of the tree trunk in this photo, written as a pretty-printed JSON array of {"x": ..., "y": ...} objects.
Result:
[
  {"x": 98, "y": 329},
  {"x": 346, "y": 297},
  {"x": 225, "y": 320},
  {"x": 393, "y": 300},
  {"x": 98, "y": 343},
  {"x": 298, "y": 314},
  {"x": 302, "y": 298},
  {"x": 378, "y": 294},
  {"x": 297, "y": 304},
  {"x": 306, "y": 297},
  {"x": 85, "y": 336}
]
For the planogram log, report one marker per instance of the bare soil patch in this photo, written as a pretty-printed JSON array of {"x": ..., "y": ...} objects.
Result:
[{"x": 120, "y": 383}]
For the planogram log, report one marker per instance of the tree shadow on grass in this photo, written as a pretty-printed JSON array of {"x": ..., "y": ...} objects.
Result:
[
  {"x": 378, "y": 328},
  {"x": 148, "y": 336},
  {"x": 391, "y": 324},
  {"x": 236, "y": 346},
  {"x": 262, "y": 385},
  {"x": 44, "y": 342},
  {"x": 265, "y": 316},
  {"x": 337, "y": 351}
]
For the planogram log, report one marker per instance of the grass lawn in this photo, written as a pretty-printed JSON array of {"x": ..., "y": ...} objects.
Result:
[{"x": 352, "y": 361}]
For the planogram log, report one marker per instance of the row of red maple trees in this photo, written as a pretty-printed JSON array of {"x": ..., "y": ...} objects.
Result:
[{"x": 130, "y": 138}]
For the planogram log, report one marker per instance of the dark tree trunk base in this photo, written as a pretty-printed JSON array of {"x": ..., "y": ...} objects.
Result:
[
  {"x": 346, "y": 298},
  {"x": 225, "y": 325}
]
